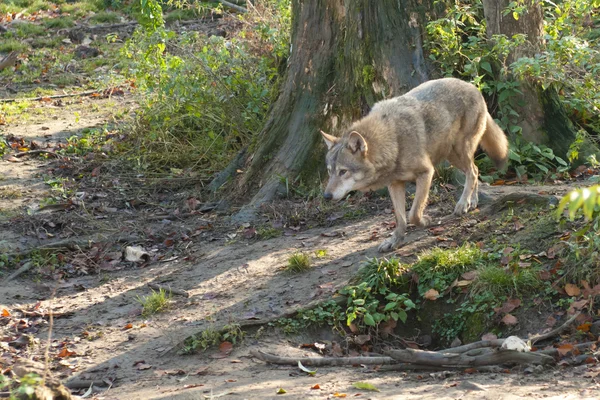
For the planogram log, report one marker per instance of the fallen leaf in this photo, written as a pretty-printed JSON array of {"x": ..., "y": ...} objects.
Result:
[
  {"x": 564, "y": 349},
  {"x": 509, "y": 319},
  {"x": 226, "y": 347},
  {"x": 572, "y": 290},
  {"x": 336, "y": 394},
  {"x": 550, "y": 321},
  {"x": 585, "y": 327},
  {"x": 365, "y": 386},
  {"x": 201, "y": 371},
  {"x": 281, "y": 391},
  {"x": 437, "y": 230},
  {"x": 192, "y": 385},
  {"x": 308, "y": 371},
  {"x": 66, "y": 353},
  {"x": 128, "y": 326},
  {"x": 316, "y": 387},
  {"x": 431, "y": 294},
  {"x": 5, "y": 312},
  {"x": 508, "y": 306},
  {"x": 489, "y": 336}
]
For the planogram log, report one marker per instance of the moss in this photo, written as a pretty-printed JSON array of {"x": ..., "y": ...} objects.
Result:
[{"x": 475, "y": 326}]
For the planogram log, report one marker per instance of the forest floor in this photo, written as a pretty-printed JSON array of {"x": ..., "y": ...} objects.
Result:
[{"x": 69, "y": 213}]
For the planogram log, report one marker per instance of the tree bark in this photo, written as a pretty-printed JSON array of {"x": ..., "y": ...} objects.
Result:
[
  {"x": 345, "y": 56},
  {"x": 542, "y": 117}
]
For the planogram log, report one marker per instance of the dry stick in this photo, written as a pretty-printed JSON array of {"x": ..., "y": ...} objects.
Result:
[
  {"x": 169, "y": 289},
  {"x": 32, "y": 152},
  {"x": 556, "y": 331},
  {"x": 422, "y": 357},
  {"x": 233, "y": 6},
  {"x": 321, "y": 362},
  {"x": 57, "y": 96},
  {"x": 83, "y": 383},
  {"x": 26, "y": 267},
  {"x": 578, "y": 346}
]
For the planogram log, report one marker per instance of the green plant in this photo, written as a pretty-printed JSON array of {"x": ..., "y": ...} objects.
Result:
[
  {"x": 511, "y": 281},
  {"x": 154, "y": 303},
  {"x": 232, "y": 333},
  {"x": 298, "y": 262},
  {"x": 327, "y": 313},
  {"x": 536, "y": 161},
  {"x": 105, "y": 17},
  {"x": 59, "y": 23},
  {"x": 438, "y": 268},
  {"x": 207, "y": 97},
  {"x": 202, "y": 341},
  {"x": 267, "y": 232},
  {"x": 22, "y": 388},
  {"x": 469, "y": 320}
]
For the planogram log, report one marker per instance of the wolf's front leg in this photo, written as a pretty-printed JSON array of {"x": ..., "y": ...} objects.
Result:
[{"x": 398, "y": 195}]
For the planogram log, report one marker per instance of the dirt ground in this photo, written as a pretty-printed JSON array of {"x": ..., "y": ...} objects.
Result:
[{"x": 228, "y": 279}]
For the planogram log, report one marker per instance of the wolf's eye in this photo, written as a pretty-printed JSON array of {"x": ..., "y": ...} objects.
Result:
[{"x": 342, "y": 172}]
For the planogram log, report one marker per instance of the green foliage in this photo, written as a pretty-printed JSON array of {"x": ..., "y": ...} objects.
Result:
[
  {"x": 22, "y": 388},
  {"x": 298, "y": 262},
  {"x": 59, "y": 23},
  {"x": 105, "y": 17},
  {"x": 154, "y": 303},
  {"x": 478, "y": 308},
  {"x": 535, "y": 161},
  {"x": 570, "y": 61},
  {"x": 374, "y": 298},
  {"x": 327, "y": 313},
  {"x": 211, "y": 337},
  {"x": 507, "y": 281},
  {"x": 581, "y": 255},
  {"x": 206, "y": 97}
]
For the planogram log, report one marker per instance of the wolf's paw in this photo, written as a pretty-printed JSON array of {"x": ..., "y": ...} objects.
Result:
[
  {"x": 391, "y": 243},
  {"x": 461, "y": 208}
]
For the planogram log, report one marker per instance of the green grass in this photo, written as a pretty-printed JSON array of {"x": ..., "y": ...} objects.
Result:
[
  {"x": 8, "y": 45},
  {"x": 182, "y": 14},
  {"x": 105, "y": 17},
  {"x": 154, "y": 303},
  {"x": 503, "y": 282},
  {"x": 59, "y": 23},
  {"x": 46, "y": 42},
  {"x": 438, "y": 268},
  {"x": 298, "y": 262},
  {"x": 27, "y": 30}
]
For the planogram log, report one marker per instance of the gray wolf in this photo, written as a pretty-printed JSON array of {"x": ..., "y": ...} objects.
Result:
[{"x": 403, "y": 138}]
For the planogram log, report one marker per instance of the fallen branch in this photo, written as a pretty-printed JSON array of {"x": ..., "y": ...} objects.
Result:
[
  {"x": 168, "y": 289},
  {"x": 578, "y": 346},
  {"x": 26, "y": 267},
  {"x": 556, "y": 331},
  {"x": 319, "y": 361},
  {"x": 33, "y": 152},
  {"x": 233, "y": 6},
  {"x": 423, "y": 357},
  {"x": 56, "y": 96},
  {"x": 83, "y": 383}
]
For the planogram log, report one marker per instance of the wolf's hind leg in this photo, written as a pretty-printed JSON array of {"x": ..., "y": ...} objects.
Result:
[
  {"x": 398, "y": 195},
  {"x": 415, "y": 215}
]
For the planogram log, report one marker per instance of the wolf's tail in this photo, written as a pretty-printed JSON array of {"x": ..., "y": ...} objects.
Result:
[{"x": 494, "y": 143}]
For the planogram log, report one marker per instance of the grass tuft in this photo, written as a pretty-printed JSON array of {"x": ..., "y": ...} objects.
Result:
[
  {"x": 298, "y": 262},
  {"x": 154, "y": 303}
]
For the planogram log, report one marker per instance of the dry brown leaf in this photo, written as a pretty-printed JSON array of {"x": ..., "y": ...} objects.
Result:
[
  {"x": 431, "y": 294},
  {"x": 572, "y": 290},
  {"x": 509, "y": 319},
  {"x": 316, "y": 387},
  {"x": 5, "y": 313},
  {"x": 66, "y": 353},
  {"x": 226, "y": 347},
  {"x": 564, "y": 349}
]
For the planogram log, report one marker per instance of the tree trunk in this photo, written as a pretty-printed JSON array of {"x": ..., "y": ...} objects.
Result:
[
  {"x": 345, "y": 56},
  {"x": 542, "y": 117}
]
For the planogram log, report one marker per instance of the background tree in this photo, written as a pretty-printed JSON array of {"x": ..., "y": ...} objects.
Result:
[
  {"x": 542, "y": 117},
  {"x": 344, "y": 57}
]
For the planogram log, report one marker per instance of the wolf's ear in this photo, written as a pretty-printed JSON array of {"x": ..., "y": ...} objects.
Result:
[
  {"x": 330, "y": 141},
  {"x": 357, "y": 142}
]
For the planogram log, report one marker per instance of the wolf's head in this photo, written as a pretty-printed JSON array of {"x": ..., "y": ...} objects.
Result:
[{"x": 347, "y": 164}]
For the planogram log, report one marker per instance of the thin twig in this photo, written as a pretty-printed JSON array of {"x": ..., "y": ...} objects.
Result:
[
  {"x": 167, "y": 288},
  {"x": 233, "y": 6},
  {"x": 32, "y": 152},
  {"x": 556, "y": 331},
  {"x": 57, "y": 96},
  {"x": 26, "y": 267}
]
